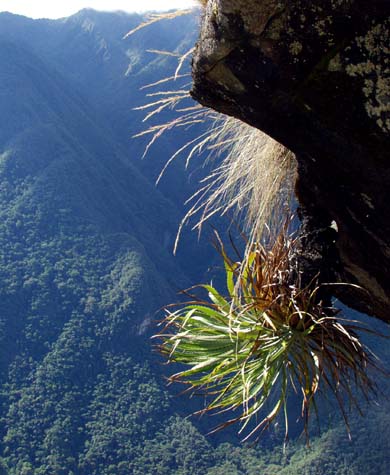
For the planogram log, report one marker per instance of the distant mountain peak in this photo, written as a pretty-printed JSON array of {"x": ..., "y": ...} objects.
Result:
[{"x": 91, "y": 12}]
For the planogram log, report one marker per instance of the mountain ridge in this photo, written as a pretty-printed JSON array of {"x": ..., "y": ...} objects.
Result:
[{"x": 86, "y": 261}]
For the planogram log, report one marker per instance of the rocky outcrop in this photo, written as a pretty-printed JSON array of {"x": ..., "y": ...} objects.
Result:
[{"x": 315, "y": 75}]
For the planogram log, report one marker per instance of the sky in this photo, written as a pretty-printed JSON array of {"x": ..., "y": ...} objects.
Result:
[{"x": 58, "y": 9}]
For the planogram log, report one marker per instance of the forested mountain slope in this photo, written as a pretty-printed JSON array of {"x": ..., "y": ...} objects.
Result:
[
  {"x": 86, "y": 260},
  {"x": 89, "y": 50},
  {"x": 82, "y": 249}
]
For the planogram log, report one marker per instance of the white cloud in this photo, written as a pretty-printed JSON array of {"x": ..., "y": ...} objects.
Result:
[{"x": 58, "y": 9}]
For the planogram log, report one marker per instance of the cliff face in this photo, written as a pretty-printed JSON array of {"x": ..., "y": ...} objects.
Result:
[{"x": 315, "y": 75}]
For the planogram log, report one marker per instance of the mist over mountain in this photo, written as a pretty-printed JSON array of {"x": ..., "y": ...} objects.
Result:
[{"x": 86, "y": 261}]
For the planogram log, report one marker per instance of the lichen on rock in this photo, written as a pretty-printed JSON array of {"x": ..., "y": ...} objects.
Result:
[{"x": 373, "y": 67}]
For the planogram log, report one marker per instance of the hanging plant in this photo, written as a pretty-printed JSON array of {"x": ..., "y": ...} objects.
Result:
[{"x": 249, "y": 350}]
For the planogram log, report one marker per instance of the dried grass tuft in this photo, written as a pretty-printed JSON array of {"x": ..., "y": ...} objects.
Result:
[
  {"x": 253, "y": 176},
  {"x": 254, "y": 179}
]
